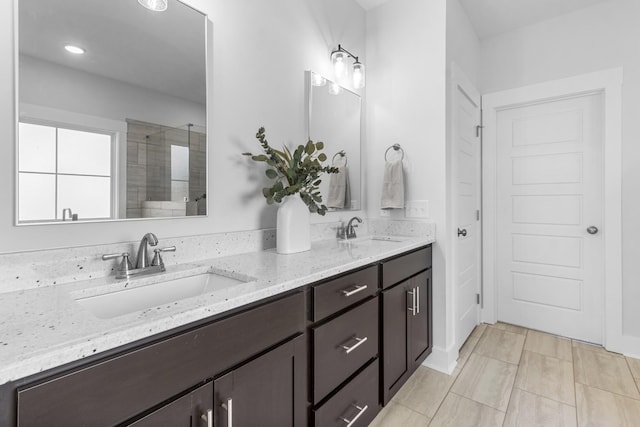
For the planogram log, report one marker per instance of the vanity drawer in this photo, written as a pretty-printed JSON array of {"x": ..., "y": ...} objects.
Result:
[
  {"x": 334, "y": 295},
  {"x": 359, "y": 396},
  {"x": 342, "y": 346},
  {"x": 405, "y": 266}
]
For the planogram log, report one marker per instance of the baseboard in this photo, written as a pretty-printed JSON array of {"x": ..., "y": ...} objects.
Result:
[
  {"x": 625, "y": 344},
  {"x": 442, "y": 360}
]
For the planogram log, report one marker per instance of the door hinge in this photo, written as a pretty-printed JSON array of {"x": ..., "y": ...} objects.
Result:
[
  {"x": 478, "y": 130},
  {"x": 477, "y": 298},
  {"x": 477, "y": 214}
]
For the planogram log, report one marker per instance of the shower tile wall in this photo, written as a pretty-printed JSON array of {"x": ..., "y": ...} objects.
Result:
[{"x": 149, "y": 164}]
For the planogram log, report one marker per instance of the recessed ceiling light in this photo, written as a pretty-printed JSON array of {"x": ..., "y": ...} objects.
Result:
[
  {"x": 74, "y": 49},
  {"x": 155, "y": 5}
]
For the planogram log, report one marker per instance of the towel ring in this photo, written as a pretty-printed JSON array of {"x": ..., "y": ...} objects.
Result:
[
  {"x": 396, "y": 147},
  {"x": 342, "y": 155}
]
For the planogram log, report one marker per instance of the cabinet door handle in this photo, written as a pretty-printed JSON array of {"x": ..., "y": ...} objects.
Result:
[
  {"x": 417, "y": 299},
  {"x": 229, "y": 408},
  {"x": 412, "y": 309},
  {"x": 359, "y": 342},
  {"x": 361, "y": 410},
  {"x": 355, "y": 290},
  {"x": 208, "y": 418}
]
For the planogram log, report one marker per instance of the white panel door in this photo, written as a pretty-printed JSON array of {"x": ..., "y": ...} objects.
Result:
[
  {"x": 466, "y": 202},
  {"x": 549, "y": 192}
]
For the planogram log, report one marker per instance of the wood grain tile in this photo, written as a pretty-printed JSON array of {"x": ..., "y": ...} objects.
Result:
[
  {"x": 397, "y": 415},
  {"x": 604, "y": 371},
  {"x": 510, "y": 328},
  {"x": 549, "y": 345},
  {"x": 424, "y": 391},
  {"x": 546, "y": 376},
  {"x": 486, "y": 380},
  {"x": 466, "y": 349},
  {"x": 458, "y": 411},
  {"x": 602, "y": 408},
  {"x": 500, "y": 344},
  {"x": 478, "y": 330},
  {"x": 527, "y": 409},
  {"x": 634, "y": 365},
  {"x": 593, "y": 347}
]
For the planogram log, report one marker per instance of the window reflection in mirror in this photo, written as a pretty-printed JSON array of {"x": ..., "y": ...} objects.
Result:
[
  {"x": 119, "y": 131},
  {"x": 334, "y": 115}
]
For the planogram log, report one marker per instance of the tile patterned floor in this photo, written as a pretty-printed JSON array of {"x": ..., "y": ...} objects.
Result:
[{"x": 512, "y": 376}]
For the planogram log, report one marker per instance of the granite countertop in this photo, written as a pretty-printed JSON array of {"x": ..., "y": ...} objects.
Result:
[{"x": 45, "y": 327}]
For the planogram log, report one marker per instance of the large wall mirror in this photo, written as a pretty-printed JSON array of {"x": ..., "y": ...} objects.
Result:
[
  {"x": 334, "y": 117},
  {"x": 111, "y": 110}
]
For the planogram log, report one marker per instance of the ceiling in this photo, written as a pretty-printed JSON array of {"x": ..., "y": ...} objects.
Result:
[
  {"x": 160, "y": 51},
  {"x": 491, "y": 17}
]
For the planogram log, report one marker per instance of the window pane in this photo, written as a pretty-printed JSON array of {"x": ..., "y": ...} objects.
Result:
[
  {"x": 84, "y": 152},
  {"x": 179, "y": 163},
  {"x": 36, "y": 197},
  {"x": 36, "y": 148},
  {"x": 87, "y": 196}
]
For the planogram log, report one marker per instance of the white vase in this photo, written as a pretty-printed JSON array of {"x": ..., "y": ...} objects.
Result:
[{"x": 293, "y": 230}]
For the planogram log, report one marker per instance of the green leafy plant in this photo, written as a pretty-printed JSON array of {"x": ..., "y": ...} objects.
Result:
[{"x": 297, "y": 172}]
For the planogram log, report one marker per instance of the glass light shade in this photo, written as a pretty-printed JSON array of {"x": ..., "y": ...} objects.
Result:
[
  {"x": 334, "y": 88},
  {"x": 155, "y": 5},
  {"x": 318, "y": 80},
  {"x": 358, "y": 75},
  {"x": 74, "y": 49},
  {"x": 339, "y": 60}
]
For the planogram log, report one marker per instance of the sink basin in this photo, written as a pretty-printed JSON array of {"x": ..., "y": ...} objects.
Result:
[
  {"x": 371, "y": 239},
  {"x": 118, "y": 303}
]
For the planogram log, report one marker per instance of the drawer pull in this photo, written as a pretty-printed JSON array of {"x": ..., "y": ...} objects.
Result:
[
  {"x": 417, "y": 299},
  {"x": 208, "y": 418},
  {"x": 229, "y": 408},
  {"x": 359, "y": 342},
  {"x": 353, "y": 291},
  {"x": 412, "y": 309},
  {"x": 361, "y": 410}
]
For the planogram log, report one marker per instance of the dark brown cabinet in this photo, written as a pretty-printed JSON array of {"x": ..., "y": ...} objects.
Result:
[
  {"x": 406, "y": 324},
  {"x": 267, "y": 391},
  {"x": 191, "y": 410}
]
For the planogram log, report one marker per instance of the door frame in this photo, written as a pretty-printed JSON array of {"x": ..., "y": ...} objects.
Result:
[
  {"x": 609, "y": 84},
  {"x": 460, "y": 80}
]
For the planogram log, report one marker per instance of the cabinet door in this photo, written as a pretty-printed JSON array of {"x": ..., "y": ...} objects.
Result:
[
  {"x": 268, "y": 391},
  {"x": 396, "y": 302},
  {"x": 419, "y": 319},
  {"x": 188, "y": 411}
]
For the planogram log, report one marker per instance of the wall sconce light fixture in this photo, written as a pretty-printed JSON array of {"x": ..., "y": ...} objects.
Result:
[{"x": 339, "y": 59}]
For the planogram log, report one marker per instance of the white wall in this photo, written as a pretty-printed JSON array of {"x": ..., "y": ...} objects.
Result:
[
  {"x": 260, "y": 52},
  {"x": 602, "y": 36},
  {"x": 405, "y": 104},
  {"x": 51, "y": 85}
]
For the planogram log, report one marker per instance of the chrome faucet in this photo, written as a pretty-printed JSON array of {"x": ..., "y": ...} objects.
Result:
[
  {"x": 142, "y": 261},
  {"x": 351, "y": 229},
  {"x": 125, "y": 269}
]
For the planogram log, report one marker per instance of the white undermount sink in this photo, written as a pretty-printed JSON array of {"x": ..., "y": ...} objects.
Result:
[
  {"x": 118, "y": 303},
  {"x": 375, "y": 238}
]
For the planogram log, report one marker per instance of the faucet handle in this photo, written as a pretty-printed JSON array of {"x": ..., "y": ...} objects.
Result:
[
  {"x": 125, "y": 266},
  {"x": 157, "y": 258}
]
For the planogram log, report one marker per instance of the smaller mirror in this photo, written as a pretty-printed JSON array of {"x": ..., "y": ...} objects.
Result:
[{"x": 334, "y": 117}]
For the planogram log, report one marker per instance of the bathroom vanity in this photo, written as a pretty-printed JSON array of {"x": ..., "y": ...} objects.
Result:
[{"x": 318, "y": 351}]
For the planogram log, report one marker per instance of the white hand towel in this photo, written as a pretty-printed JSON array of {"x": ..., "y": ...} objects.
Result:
[
  {"x": 339, "y": 191},
  {"x": 393, "y": 186}
]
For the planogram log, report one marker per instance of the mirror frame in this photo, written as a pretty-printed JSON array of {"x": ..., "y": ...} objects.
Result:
[{"x": 120, "y": 153}]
